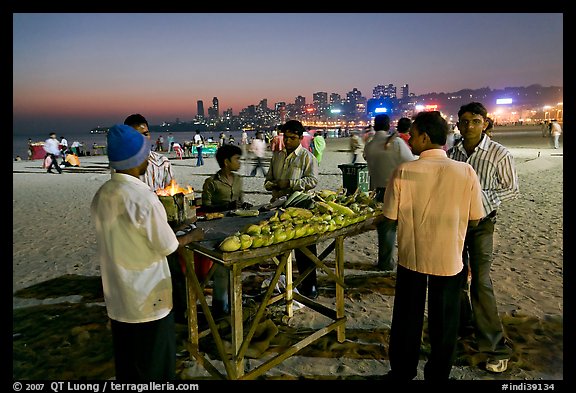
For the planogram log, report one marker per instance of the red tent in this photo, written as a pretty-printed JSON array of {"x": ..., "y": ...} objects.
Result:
[{"x": 38, "y": 152}]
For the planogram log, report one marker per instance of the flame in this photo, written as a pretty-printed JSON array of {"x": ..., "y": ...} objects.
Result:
[{"x": 173, "y": 189}]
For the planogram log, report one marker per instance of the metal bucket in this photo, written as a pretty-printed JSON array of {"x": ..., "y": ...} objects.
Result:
[{"x": 179, "y": 208}]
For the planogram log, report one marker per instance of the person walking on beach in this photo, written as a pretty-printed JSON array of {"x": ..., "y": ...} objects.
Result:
[
  {"x": 258, "y": 148},
  {"x": 170, "y": 140},
  {"x": 434, "y": 200},
  {"x": 356, "y": 146},
  {"x": 318, "y": 145},
  {"x": 159, "y": 172},
  {"x": 545, "y": 128},
  {"x": 134, "y": 240},
  {"x": 295, "y": 169},
  {"x": 277, "y": 142},
  {"x": 199, "y": 142},
  {"x": 30, "y": 149},
  {"x": 495, "y": 168},
  {"x": 555, "y": 132},
  {"x": 52, "y": 148},
  {"x": 223, "y": 191},
  {"x": 383, "y": 154},
  {"x": 63, "y": 147}
]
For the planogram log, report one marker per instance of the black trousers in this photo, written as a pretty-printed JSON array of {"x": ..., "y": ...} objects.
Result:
[
  {"x": 145, "y": 351},
  {"x": 408, "y": 321},
  {"x": 54, "y": 163},
  {"x": 303, "y": 262},
  {"x": 179, "y": 295}
]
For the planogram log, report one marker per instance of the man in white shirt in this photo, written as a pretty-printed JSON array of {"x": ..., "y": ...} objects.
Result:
[
  {"x": 52, "y": 148},
  {"x": 134, "y": 240},
  {"x": 258, "y": 148},
  {"x": 383, "y": 153},
  {"x": 555, "y": 132}
]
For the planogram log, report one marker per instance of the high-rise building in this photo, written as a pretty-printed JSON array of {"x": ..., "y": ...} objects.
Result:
[
  {"x": 335, "y": 99},
  {"x": 215, "y": 107},
  {"x": 200, "y": 109},
  {"x": 320, "y": 101},
  {"x": 384, "y": 91},
  {"x": 405, "y": 91}
]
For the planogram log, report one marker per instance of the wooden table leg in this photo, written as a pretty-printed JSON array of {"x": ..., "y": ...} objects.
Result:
[
  {"x": 192, "y": 311},
  {"x": 289, "y": 286},
  {"x": 339, "y": 271},
  {"x": 236, "y": 318}
]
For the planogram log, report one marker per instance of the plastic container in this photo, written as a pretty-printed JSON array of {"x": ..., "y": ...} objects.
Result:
[{"x": 355, "y": 176}]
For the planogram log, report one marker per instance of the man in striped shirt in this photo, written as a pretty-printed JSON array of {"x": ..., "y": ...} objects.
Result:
[
  {"x": 496, "y": 171},
  {"x": 295, "y": 169},
  {"x": 159, "y": 172}
]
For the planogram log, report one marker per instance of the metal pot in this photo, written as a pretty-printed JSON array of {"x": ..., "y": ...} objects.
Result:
[{"x": 179, "y": 207}]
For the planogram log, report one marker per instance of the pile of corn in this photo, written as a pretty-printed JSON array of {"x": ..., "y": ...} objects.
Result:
[{"x": 331, "y": 211}]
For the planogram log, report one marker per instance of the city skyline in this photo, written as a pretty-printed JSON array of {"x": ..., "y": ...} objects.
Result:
[{"x": 84, "y": 70}]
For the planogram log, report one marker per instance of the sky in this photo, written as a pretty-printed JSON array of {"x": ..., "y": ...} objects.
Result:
[{"x": 76, "y": 71}]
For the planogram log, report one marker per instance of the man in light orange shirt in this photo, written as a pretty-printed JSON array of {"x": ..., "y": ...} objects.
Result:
[{"x": 434, "y": 199}]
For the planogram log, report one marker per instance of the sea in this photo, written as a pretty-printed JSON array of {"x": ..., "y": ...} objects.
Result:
[{"x": 20, "y": 142}]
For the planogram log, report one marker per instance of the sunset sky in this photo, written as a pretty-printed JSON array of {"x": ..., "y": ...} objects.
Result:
[{"x": 73, "y": 72}]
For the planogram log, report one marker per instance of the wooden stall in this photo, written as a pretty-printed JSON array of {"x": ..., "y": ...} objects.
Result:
[{"x": 235, "y": 262}]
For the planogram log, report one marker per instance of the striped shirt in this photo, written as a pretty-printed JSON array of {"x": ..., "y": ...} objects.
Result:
[
  {"x": 494, "y": 165},
  {"x": 300, "y": 167},
  {"x": 159, "y": 172}
]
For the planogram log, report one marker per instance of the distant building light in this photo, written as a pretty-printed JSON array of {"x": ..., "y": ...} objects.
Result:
[{"x": 503, "y": 101}]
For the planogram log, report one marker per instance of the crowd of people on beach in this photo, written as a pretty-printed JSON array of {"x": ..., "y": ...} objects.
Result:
[{"x": 422, "y": 180}]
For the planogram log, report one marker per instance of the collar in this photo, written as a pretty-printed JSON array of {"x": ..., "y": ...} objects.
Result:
[
  {"x": 433, "y": 153},
  {"x": 484, "y": 143}
]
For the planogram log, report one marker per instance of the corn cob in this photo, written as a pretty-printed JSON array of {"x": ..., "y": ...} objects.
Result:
[{"x": 341, "y": 209}]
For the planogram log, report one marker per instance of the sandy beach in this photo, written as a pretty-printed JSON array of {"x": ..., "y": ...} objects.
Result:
[{"x": 59, "y": 319}]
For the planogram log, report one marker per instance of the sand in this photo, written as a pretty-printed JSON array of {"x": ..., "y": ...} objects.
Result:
[{"x": 60, "y": 326}]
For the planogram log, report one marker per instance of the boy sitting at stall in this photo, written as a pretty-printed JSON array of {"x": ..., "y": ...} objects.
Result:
[{"x": 223, "y": 191}]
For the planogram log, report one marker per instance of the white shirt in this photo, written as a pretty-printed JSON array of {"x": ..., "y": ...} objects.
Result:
[
  {"x": 382, "y": 162},
  {"x": 133, "y": 239},
  {"x": 64, "y": 142},
  {"x": 52, "y": 146},
  {"x": 556, "y": 129},
  {"x": 258, "y": 147}
]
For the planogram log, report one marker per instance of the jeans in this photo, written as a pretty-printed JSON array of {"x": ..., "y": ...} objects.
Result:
[
  {"x": 200, "y": 160},
  {"x": 556, "y": 139},
  {"x": 386, "y": 238},
  {"x": 478, "y": 248},
  {"x": 258, "y": 165},
  {"x": 221, "y": 291}
]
